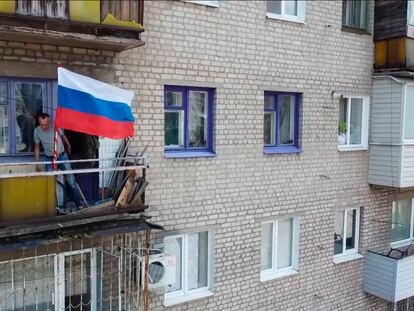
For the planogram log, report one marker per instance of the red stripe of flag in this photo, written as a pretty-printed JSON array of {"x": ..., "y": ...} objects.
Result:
[{"x": 92, "y": 124}]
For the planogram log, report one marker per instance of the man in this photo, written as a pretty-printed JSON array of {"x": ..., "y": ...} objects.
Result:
[{"x": 44, "y": 134}]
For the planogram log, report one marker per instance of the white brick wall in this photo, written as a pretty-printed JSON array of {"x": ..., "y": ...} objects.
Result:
[{"x": 238, "y": 51}]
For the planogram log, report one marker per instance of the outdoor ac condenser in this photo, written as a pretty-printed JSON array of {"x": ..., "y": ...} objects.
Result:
[{"x": 161, "y": 270}]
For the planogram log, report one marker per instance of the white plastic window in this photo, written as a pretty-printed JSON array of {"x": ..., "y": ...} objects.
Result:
[{"x": 290, "y": 10}]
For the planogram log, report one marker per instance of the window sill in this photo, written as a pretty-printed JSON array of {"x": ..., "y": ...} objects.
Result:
[
  {"x": 347, "y": 257},
  {"x": 281, "y": 150},
  {"x": 188, "y": 154},
  {"x": 169, "y": 301},
  {"x": 401, "y": 243},
  {"x": 356, "y": 30},
  {"x": 213, "y": 4},
  {"x": 352, "y": 148},
  {"x": 287, "y": 18},
  {"x": 276, "y": 275}
]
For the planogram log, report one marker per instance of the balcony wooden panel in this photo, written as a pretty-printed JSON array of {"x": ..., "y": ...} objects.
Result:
[
  {"x": 390, "y": 19},
  {"x": 54, "y": 22}
]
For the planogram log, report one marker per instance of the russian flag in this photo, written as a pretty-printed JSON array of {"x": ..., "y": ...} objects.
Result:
[{"x": 90, "y": 106}]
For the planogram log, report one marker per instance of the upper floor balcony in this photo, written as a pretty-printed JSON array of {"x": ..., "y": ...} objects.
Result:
[
  {"x": 394, "y": 35},
  {"x": 390, "y": 275},
  {"x": 39, "y": 205},
  {"x": 391, "y": 145},
  {"x": 98, "y": 24}
]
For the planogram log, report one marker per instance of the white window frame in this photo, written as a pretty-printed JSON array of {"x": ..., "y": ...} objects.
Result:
[
  {"x": 184, "y": 295},
  {"x": 273, "y": 272},
  {"x": 365, "y": 125},
  {"x": 212, "y": 3},
  {"x": 411, "y": 238},
  {"x": 60, "y": 278},
  {"x": 300, "y": 18},
  {"x": 410, "y": 11},
  {"x": 349, "y": 254}
]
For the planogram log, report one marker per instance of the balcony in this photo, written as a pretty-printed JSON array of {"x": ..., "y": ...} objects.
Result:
[
  {"x": 390, "y": 275},
  {"x": 98, "y": 24},
  {"x": 391, "y": 146},
  {"x": 394, "y": 35},
  {"x": 37, "y": 208}
]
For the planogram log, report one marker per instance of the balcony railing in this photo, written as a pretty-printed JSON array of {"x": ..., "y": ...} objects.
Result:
[
  {"x": 390, "y": 275},
  {"x": 101, "y": 20},
  {"x": 108, "y": 188}
]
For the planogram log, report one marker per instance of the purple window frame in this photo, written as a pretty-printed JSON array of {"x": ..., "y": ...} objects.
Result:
[
  {"x": 187, "y": 151},
  {"x": 277, "y": 147},
  {"x": 10, "y": 103}
]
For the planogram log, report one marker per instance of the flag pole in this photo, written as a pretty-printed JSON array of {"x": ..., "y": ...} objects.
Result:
[{"x": 55, "y": 140}]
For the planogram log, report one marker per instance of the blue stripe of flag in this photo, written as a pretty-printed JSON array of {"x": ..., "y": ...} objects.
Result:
[{"x": 87, "y": 103}]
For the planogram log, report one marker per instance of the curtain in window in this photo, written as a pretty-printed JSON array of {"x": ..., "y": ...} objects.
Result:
[
  {"x": 286, "y": 113},
  {"x": 30, "y": 98},
  {"x": 198, "y": 119},
  {"x": 351, "y": 217},
  {"x": 4, "y": 130},
  {"x": 354, "y": 13},
  {"x": 197, "y": 260}
]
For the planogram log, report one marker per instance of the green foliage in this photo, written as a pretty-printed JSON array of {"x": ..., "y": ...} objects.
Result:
[{"x": 342, "y": 127}]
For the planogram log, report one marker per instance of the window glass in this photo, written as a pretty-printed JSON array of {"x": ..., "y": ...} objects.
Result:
[
  {"x": 286, "y": 113},
  {"x": 339, "y": 232},
  {"x": 410, "y": 17},
  {"x": 173, "y": 127},
  {"x": 354, "y": 13},
  {"x": 409, "y": 114},
  {"x": 30, "y": 98},
  {"x": 174, "y": 246},
  {"x": 269, "y": 102},
  {"x": 4, "y": 130},
  {"x": 401, "y": 220},
  {"x": 355, "y": 129},
  {"x": 198, "y": 119},
  {"x": 174, "y": 99},
  {"x": 269, "y": 128},
  {"x": 197, "y": 260},
  {"x": 267, "y": 245},
  {"x": 274, "y": 6},
  {"x": 284, "y": 243},
  {"x": 78, "y": 278},
  {"x": 343, "y": 121},
  {"x": 291, "y": 7},
  {"x": 351, "y": 216},
  {"x": 3, "y": 94},
  {"x": 27, "y": 284}
]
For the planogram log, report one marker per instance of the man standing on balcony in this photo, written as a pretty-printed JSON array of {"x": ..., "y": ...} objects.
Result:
[{"x": 44, "y": 134}]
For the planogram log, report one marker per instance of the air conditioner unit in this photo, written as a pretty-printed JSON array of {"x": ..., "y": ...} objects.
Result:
[{"x": 161, "y": 270}]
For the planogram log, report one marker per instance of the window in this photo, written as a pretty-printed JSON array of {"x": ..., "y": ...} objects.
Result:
[
  {"x": 21, "y": 101},
  {"x": 193, "y": 252},
  {"x": 188, "y": 121},
  {"x": 409, "y": 114},
  {"x": 346, "y": 234},
  {"x": 213, "y": 3},
  {"x": 353, "y": 123},
  {"x": 280, "y": 248},
  {"x": 354, "y": 14},
  {"x": 402, "y": 221},
  {"x": 290, "y": 10},
  {"x": 281, "y": 122},
  {"x": 410, "y": 13}
]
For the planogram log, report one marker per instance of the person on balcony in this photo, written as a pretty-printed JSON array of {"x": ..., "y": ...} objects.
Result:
[{"x": 44, "y": 134}]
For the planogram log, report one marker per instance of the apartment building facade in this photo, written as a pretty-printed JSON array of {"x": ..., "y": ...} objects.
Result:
[{"x": 266, "y": 204}]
